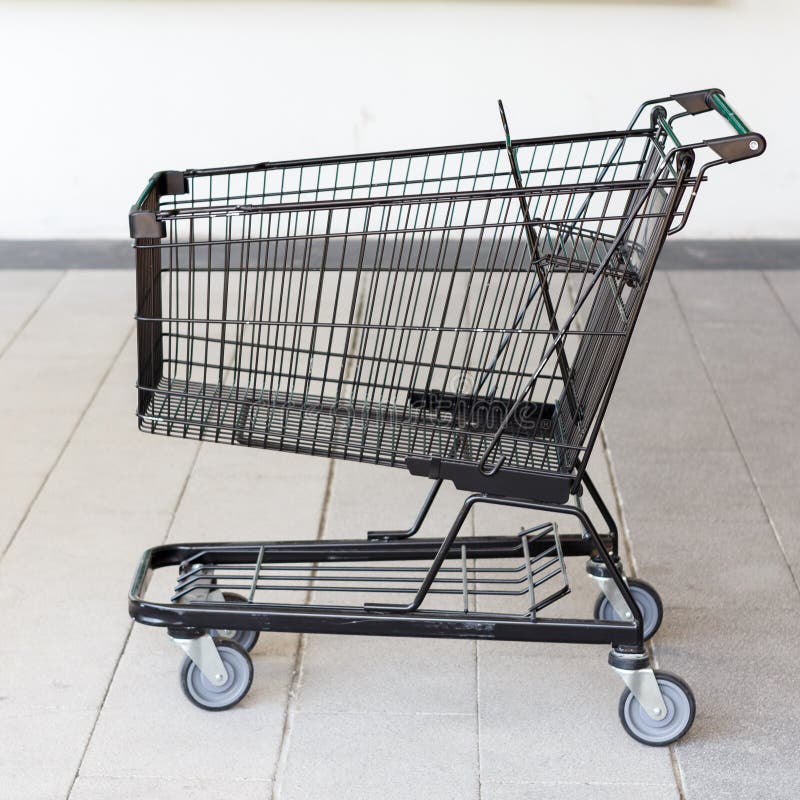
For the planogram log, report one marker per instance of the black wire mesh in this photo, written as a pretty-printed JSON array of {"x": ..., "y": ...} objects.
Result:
[{"x": 403, "y": 304}]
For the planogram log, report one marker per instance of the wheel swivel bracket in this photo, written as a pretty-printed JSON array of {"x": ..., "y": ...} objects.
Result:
[
  {"x": 203, "y": 652},
  {"x": 605, "y": 583},
  {"x": 638, "y": 675}
]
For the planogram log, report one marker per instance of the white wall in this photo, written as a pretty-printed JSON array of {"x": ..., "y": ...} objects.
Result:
[{"x": 98, "y": 95}]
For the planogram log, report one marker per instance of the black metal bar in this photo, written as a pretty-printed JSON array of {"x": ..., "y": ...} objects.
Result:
[
  {"x": 407, "y": 199},
  {"x": 348, "y": 550},
  {"x": 422, "y": 151},
  {"x": 201, "y": 616},
  {"x": 441, "y": 554},
  {"x": 544, "y": 287},
  {"x": 382, "y": 620},
  {"x": 330, "y": 551},
  {"x": 608, "y": 518},
  {"x": 388, "y": 536}
]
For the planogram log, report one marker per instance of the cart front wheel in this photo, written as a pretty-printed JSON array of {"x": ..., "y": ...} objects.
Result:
[
  {"x": 247, "y": 639},
  {"x": 204, "y": 694},
  {"x": 646, "y": 598},
  {"x": 680, "y": 705}
]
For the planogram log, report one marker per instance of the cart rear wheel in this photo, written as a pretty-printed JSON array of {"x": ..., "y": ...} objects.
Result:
[
  {"x": 646, "y": 598},
  {"x": 204, "y": 694},
  {"x": 679, "y": 717},
  {"x": 247, "y": 639}
]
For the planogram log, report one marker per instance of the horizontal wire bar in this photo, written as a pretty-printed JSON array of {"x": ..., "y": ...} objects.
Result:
[
  {"x": 379, "y": 185},
  {"x": 360, "y": 326},
  {"x": 629, "y": 134},
  {"x": 415, "y": 199}
]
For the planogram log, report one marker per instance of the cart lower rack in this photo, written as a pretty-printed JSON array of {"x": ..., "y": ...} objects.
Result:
[{"x": 461, "y": 312}]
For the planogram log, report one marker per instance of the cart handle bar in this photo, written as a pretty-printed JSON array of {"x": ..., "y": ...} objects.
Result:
[
  {"x": 711, "y": 100},
  {"x": 745, "y": 143}
]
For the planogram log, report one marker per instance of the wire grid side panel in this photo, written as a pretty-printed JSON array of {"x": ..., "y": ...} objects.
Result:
[
  {"x": 610, "y": 315},
  {"x": 371, "y": 331},
  {"x": 354, "y": 364},
  {"x": 321, "y": 359},
  {"x": 466, "y": 168}
]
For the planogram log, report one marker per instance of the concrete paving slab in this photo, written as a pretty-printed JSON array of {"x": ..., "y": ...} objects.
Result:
[
  {"x": 393, "y": 676},
  {"x": 752, "y": 359},
  {"x": 50, "y": 374},
  {"x": 227, "y": 497},
  {"x": 149, "y": 728},
  {"x": 664, "y": 487},
  {"x": 563, "y": 710},
  {"x": 718, "y": 608},
  {"x": 40, "y": 748},
  {"x": 235, "y": 506},
  {"x": 187, "y": 788},
  {"x": 347, "y": 755},
  {"x": 366, "y": 497},
  {"x": 738, "y": 297},
  {"x": 23, "y": 291},
  {"x": 66, "y": 621},
  {"x": 71, "y": 527},
  {"x": 733, "y": 563},
  {"x": 746, "y": 729},
  {"x": 754, "y": 369},
  {"x": 543, "y": 790},
  {"x": 254, "y": 463},
  {"x": 783, "y": 501},
  {"x": 786, "y": 287},
  {"x": 83, "y": 611},
  {"x": 556, "y": 700},
  {"x": 400, "y": 702},
  {"x": 399, "y": 718}
]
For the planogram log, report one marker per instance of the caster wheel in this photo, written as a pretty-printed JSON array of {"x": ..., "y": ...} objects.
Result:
[
  {"x": 204, "y": 694},
  {"x": 646, "y": 598},
  {"x": 657, "y": 733},
  {"x": 247, "y": 639}
]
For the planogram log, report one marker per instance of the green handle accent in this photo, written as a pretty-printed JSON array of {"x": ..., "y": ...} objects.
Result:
[{"x": 724, "y": 108}]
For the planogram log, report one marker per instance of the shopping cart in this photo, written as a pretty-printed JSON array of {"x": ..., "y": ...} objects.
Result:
[{"x": 461, "y": 312}]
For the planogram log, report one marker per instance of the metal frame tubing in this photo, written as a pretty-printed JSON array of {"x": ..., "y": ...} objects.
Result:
[{"x": 385, "y": 619}]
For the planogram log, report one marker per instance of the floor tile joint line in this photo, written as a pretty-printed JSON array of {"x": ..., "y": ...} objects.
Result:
[
  {"x": 729, "y": 424},
  {"x": 299, "y": 657},
  {"x": 67, "y": 442},
  {"x": 781, "y": 303},
  {"x": 124, "y": 647},
  {"x": 33, "y": 313},
  {"x": 625, "y": 532}
]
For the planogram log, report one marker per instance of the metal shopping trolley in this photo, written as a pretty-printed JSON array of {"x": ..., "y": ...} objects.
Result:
[{"x": 460, "y": 312}]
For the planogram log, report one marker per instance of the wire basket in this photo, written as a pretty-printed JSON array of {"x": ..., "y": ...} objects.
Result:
[{"x": 416, "y": 308}]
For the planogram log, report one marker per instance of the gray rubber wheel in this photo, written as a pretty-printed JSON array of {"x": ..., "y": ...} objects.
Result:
[
  {"x": 247, "y": 639},
  {"x": 204, "y": 694},
  {"x": 657, "y": 733},
  {"x": 646, "y": 598}
]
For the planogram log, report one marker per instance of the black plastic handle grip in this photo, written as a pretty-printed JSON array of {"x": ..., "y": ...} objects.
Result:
[
  {"x": 711, "y": 100},
  {"x": 745, "y": 144}
]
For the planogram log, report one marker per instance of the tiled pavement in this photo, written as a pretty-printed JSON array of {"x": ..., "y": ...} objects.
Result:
[{"x": 702, "y": 443}]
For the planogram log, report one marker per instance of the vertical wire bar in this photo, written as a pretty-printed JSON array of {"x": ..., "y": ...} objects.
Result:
[
  {"x": 256, "y": 574},
  {"x": 560, "y": 552},
  {"x": 533, "y": 246},
  {"x": 464, "y": 585},
  {"x": 531, "y": 591}
]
